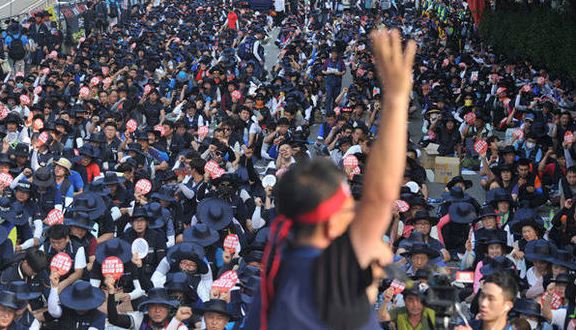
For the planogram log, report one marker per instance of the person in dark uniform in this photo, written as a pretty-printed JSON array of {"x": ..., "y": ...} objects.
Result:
[
  {"x": 320, "y": 280},
  {"x": 79, "y": 305},
  {"x": 139, "y": 222},
  {"x": 80, "y": 226},
  {"x": 31, "y": 268},
  {"x": 8, "y": 308},
  {"x": 24, "y": 316}
]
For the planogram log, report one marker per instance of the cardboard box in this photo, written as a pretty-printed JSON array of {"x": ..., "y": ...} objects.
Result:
[
  {"x": 428, "y": 156},
  {"x": 446, "y": 168}
]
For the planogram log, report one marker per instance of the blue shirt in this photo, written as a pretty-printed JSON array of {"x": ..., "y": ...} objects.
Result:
[{"x": 11, "y": 37}]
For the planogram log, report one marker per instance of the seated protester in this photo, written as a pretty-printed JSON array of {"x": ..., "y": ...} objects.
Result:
[
  {"x": 76, "y": 307},
  {"x": 91, "y": 203},
  {"x": 530, "y": 149},
  {"x": 80, "y": 226},
  {"x": 528, "y": 187},
  {"x": 482, "y": 227},
  {"x": 224, "y": 209},
  {"x": 530, "y": 310},
  {"x": 567, "y": 185},
  {"x": 24, "y": 317},
  {"x": 501, "y": 201},
  {"x": 8, "y": 308},
  {"x": 491, "y": 247},
  {"x": 139, "y": 222},
  {"x": 285, "y": 157},
  {"x": 423, "y": 223},
  {"x": 29, "y": 267},
  {"x": 217, "y": 313},
  {"x": 552, "y": 169},
  {"x": 22, "y": 194},
  {"x": 504, "y": 177},
  {"x": 128, "y": 287},
  {"x": 87, "y": 163},
  {"x": 191, "y": 192},
  {"x": 153, "y": 313},
  {"x": 539, "y": 253},
  {"x": 188, "y": 258},
  {"x": 177, "y": 287},
  {"x": 275, "y": 137},
  {"x": 452, "y": 226},
  {"x": 221, "y": 154},
  {"x": 419, "y": 256},
  {"x": 447, "y": 136},
  {"x": 563, "y": 228},
  {"x": 157, "y": 160},
  {"x": 529, "y": 227},
  {"x": 209, "y": 240},
  {"x": 554, "y": 314},
  {"x": 165, "y": 196},
  {"x": 456, "y": 194},
  {"x": 45, "y": 192},
  {"x": 16, "y": 222},
  {"x": 58, "y": 240},
  {"x": 495, "y": 156},
  {"x": 161, "y": 221},
  {"x": 414, "y": 315}
]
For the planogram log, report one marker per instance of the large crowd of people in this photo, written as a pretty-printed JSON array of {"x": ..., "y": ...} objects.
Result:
[{"x": 141, "y": 168}]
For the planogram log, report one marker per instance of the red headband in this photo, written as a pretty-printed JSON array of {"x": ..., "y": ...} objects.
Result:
[{"x": 327, "y": 208}]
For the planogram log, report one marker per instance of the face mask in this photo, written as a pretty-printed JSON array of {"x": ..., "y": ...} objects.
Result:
[
  {"x": 533, "y": 324},
  {"x": 530, "y": 145},
  {"x": 468, "y": 103},
  {"x": 20, "y": 85}
]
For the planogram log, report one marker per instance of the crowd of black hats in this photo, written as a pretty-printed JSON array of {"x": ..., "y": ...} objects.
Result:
[{"x": 155, "y": 143}]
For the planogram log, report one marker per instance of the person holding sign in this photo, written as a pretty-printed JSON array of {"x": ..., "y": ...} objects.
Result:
[
  {"x": 153, "y": 313},
  {"x": 298, "y": 290}
]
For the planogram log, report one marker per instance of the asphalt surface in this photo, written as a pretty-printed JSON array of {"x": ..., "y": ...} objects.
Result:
[
  {"x": 415, "y": 125},
  {"x": 10, "y": 8}
]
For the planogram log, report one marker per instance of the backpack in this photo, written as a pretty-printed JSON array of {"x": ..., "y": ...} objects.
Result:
[
  {"x": 16, "y": 50},
  {"x": 245, "y": 48}
]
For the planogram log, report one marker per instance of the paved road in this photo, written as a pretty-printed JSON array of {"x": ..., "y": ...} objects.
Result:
[{"x": 10, "y": 8}]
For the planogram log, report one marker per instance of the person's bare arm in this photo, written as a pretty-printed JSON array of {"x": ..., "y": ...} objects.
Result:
[{"x": 387, "y": 162}]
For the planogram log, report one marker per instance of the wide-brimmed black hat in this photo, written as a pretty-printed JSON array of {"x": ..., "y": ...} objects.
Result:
[
  {"x": 455, "y": 194},
  {"x": 8, "y": 299},
  {"x": 82, "y": 296},
  {"x": 502, "y": 168},
  {"x": 422, "y": 215},
  {"x": 111, "y": 178},
  {"x": 79, "y": 219},
  {"x": 115, "y": 247},
  {"x": 421, "y": 248},
  {"x": 97, "y": 186},
  {"x": 462, "y": 212},
  {"x": 508, "y": 150},
  {"x": 540, "y": 250},
  {"x": 178, "y": 282},
  {"x": 217, "y": 306},
  {"x": 22, "y": 291},
  {"x": 498, "y": 264},
  {"x": 565, "y": 259},
  {"x": 21, "y": 150},
  {"x": 17, "y": 214},
  {"x": 157, "y": 215},
  {"x": 136, "y": 147},
  {"x": 485, "y": 212},
  {"x": 43, "y": 177},
  {"x": 563, "y": 278},
  {"x": 527, "y": 217},
  {"x": 165, "y": 193},
  {"x": 528, "y": 307},
  {"x": 140, "y": 212},
  {"x": 158, "y": 296},
  {"x": 498, "y": 195},
  {"x": 496, "y": 236},
  {"x": 215, "y": 213},
  {"x": 89, "y": 150},
  {"x": 459, "y": 179},
  {"x": 201, "y": 234},
  {"x": 90, "y": 203},
  {"x": 188, "y": 251}
]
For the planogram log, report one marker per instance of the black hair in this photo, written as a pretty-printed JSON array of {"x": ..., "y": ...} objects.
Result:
[
  {"x": 198, "y": 164},
  {"x": 58, "y": 232},
  {"x": 303, "y": 187},
  {"x": 506, "y": 282}
]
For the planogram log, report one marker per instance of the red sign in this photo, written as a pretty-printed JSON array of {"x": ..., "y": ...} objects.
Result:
[
  {"x": 43, "y": 138},
  {"x": 555, "y": 300},
  {"x": 236, "y": 95},
  {"x": 481, "y": 147},
  {"x": 401, "y": 206},
  {"x": 54, "y": 217},
  {"x": 38, "y": 90},
  {"x": 131, "y": 125},
  {"x": 113, "y": 266},
  {"x": 397, "y": 287},
  {"x": 518, "y": 134},
  {"x": 568, "y": 137},
  {"x": 470, "y": 117},
  {"x": 160, "y": 128},
  {"x": 214, "y": 169},
  {"x": 24, "y": 99},
  {"x": 6, "y": 179},
  {"x": 203, "y": 131},
  {"x": 350, "y": 162},
  {"x": 143, "y": 186},
  {"x": 61, "y": 263},
  {"x": 226, "y": 282},
  {"x": 231, "y": 242},
  {"x": 465, "y": 277}
]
